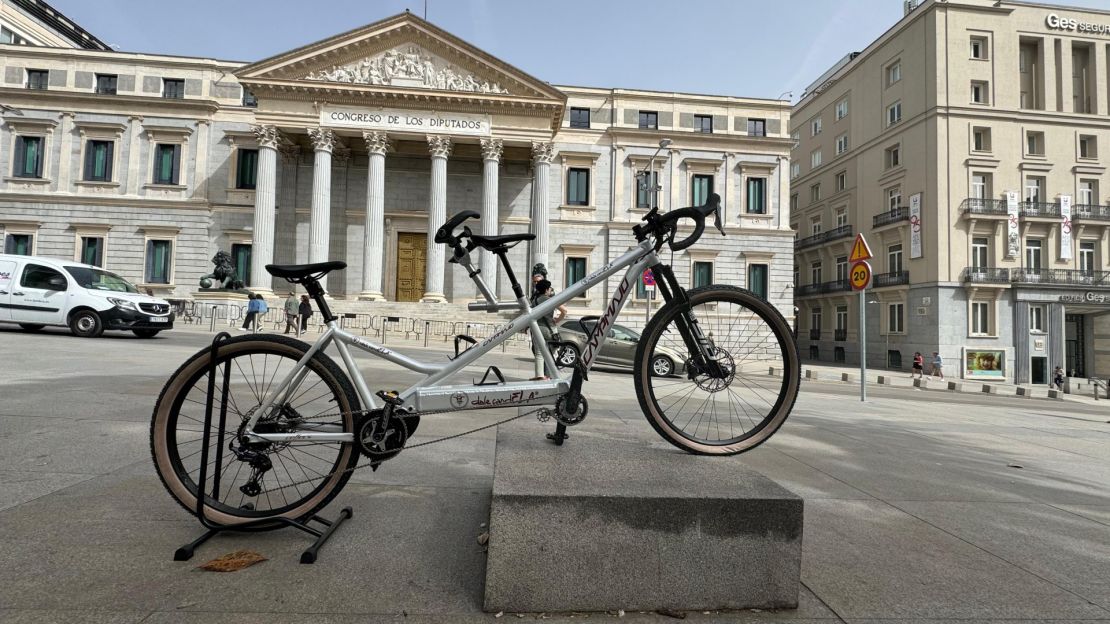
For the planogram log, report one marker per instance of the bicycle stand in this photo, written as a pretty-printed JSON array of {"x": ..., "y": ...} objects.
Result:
[
  {"x": 559, "y": 435},
  {"x": 186, "y": 552}
]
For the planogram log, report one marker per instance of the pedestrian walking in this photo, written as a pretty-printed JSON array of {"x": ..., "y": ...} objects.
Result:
[
  {"x": 305, "y": 310},
  {"x": 293, "y": 314},
  {"x": 938, "y": 366},
  {"x": 1058, "y": 378},
  {"x": 256, "y": 306},
  {"x": 918, "y": 365}
]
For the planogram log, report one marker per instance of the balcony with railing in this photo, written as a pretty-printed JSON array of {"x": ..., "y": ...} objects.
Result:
[
  {"x": 1090, "y": 212},
  {"x": 1063, "y": 277},
  {"x": 894, "y": 278},
  {"x": 894, "y": 215},
  {"x": 844, "y": 231},
  {"x": 815, "y": 334},
  {"x": 986, "y": 275},
  {"x": 840, "y": 335},
  {"x": 1043, "y": 210},
  {"x": 988, "y": 207},
  {"x": 823, "y": 288}
]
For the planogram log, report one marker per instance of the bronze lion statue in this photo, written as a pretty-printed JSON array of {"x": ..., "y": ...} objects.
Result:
[{"x": 224, "y": 274}]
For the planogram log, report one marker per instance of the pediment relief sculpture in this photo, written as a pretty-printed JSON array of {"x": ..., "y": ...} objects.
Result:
[{"x": 409, "y": 66}]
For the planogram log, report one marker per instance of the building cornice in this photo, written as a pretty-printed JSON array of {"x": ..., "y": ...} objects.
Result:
[
  {"x": 132, "y": 104},
  {"x": 103, "y": 200},
  {"x": 682, "y": 138}
]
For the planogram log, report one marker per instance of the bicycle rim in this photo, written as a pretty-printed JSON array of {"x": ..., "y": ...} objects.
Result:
[
  {"x": 256, "y": 365},
  {"x": 720, "y": 414}
]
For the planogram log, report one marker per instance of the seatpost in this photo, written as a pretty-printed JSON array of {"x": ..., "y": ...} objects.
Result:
[
  {"x": 517, "y": 290},
  {"x": 317, "y": 293}
]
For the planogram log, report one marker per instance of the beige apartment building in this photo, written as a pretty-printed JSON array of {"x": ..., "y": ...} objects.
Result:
[{"x": 969, "y": 144}]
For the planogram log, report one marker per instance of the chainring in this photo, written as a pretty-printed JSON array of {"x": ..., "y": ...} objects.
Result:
[
  {"x": 571, "y": 419},
  {"x": 379, "y": 445}
]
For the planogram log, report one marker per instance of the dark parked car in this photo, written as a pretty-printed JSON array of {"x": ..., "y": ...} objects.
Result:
[{"x": 619, "y": 348}]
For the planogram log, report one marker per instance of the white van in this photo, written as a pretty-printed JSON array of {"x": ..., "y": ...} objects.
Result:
[{"x": 36, "y": 292}]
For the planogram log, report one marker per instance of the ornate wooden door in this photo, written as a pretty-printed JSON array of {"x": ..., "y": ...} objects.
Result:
[{"x": 412, "y": 249}]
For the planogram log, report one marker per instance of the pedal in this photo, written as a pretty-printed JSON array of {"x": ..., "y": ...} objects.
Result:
[
  {"x": 485, "y": 378},
  {"x": 390, "y": 396}
]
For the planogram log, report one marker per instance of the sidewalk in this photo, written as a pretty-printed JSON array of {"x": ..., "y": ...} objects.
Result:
[{"x": 1076, "y": 389}]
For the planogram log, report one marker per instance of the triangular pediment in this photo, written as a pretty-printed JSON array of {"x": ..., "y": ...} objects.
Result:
[
  {"x": 408, "y": 65},
  {"x": 401, "y": 52}
]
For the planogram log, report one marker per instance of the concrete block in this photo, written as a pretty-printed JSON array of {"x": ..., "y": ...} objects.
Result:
[
  {"x": 1054, "y": 394},
  {"x": 772, "y": 371},
  {"x": 603, "y": 524},
  {"x": 1024, "y": 392},
  {"x": 920, "y": 383},
  {"x": 990, "y": 389},
  {"x": 846, "y": 377},
  {"x": 884, "y": 380},
  {"x": 811, "y": 374},
  {"x": 955, "y": 385}
]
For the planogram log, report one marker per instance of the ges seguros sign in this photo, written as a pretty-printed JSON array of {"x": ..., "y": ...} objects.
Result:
[{"x": 1056, "y": 22}]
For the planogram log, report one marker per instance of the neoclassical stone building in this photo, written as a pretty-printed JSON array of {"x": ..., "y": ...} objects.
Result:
[{"x": 357, "y": 148}]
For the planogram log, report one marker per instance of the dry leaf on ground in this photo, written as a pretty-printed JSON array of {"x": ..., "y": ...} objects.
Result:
[{"x": 233, "y": 562}]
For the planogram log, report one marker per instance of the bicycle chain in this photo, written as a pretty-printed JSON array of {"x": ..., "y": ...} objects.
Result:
[{"x": 407, "y": 447}]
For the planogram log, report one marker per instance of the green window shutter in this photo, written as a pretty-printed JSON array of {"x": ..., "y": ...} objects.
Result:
[
  {"x": 756, "y": 195},
  {"x": 703, "y": 274},
  {"x": 17, "y": 162},
  {"x": 175, "y": 172},
  {"x": 757, "y": 279}
]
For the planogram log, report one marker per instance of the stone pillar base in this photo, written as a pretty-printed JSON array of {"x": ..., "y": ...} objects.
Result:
[
  {"x": 369, "y": 295},
  {"x": 433, "y": 298}
]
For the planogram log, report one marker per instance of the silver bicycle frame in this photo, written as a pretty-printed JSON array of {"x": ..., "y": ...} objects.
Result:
[{"x": 427, "y": 395}]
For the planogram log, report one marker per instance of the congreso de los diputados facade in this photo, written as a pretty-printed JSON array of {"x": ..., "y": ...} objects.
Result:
[{"x": 355, "y": 148}]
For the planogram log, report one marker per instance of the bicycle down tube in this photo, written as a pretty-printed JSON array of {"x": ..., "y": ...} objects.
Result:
[{"x": 427, "y": 395}]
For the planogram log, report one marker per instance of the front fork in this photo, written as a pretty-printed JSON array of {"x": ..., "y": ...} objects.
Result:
[{"x": 703, "y": 353}]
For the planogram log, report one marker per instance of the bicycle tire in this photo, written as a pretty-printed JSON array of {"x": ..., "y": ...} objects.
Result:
[
  {"x": 175, "y": 475},
  {"x": 749, "y": 375}
]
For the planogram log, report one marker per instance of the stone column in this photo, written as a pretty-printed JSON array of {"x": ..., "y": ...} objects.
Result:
[
  {"x": 1022, "y": 365},
  {"x": 319, "y": 231},
  {"x": 1057, "y": 349},
  {"x": 373, "y": 246},
  {"x": 491, "y": 158},
  {"x": 262, "y": 244},
  {"x": 542, "y": 155},
  {"x": 440, "y": 149},
  {"x": 65, "y": 164}
]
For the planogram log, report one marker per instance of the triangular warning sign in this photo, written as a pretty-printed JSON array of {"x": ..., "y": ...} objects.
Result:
[{"x": 860, "y": 250}]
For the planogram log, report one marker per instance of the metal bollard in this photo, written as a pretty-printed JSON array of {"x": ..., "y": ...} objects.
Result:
[
  {"x": 427, "y": 324},
  {"x": 385, "y": 324},
  {"x": 212, "y": 325}
]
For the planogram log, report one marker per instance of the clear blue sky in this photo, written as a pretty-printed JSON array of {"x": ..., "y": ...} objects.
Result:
[{"x": 756, "y": 48}]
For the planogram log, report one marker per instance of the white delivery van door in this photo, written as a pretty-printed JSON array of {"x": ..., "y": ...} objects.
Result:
[
  {"x": 39, "y": 296},
  {"x": 7, "y": 281}
]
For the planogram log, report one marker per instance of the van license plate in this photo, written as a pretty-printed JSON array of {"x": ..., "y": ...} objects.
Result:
[{"x": 159, "y": 319}]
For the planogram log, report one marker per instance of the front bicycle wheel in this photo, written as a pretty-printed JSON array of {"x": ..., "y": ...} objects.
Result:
[
  {"x": 741, "y": 404},
  {"x": 295, "y": 479}
]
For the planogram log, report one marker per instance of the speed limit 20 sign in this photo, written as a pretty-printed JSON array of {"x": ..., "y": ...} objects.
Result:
[{"x": 860, "y": 275}]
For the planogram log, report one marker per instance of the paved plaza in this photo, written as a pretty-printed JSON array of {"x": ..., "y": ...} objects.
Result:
[{"x": 919, "y": 505}]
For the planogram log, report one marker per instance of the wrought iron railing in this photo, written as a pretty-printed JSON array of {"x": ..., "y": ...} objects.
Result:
[
  {"x": 840, "y": 335},
  {"x": 986, "y": 275},
  {"x": 891, "y": 279},
  {"x": 1040, "y": 209},
  {"x": 894, "y": 215},
  {"x": 821, "y": 238},
  {"x": 1092, "y": 212},
  {"x": 823, "y": 287},
  {"x": 815, "y": 334},
  {"x": 1069, "y": 277},
  {"x": 978, "y": 206}
]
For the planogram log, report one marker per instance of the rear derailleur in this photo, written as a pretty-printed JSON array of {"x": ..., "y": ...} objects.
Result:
[{"x": 256, "y": 453}]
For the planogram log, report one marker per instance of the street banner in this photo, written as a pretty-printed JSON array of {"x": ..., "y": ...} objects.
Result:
[
  {"x": 915, "y": 225},
  {"x": 1065, "y": 227},
  {"x": 1013, "y": 239}
]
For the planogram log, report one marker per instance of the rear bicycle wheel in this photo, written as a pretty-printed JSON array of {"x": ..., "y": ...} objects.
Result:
[
  {"x": 740, "y": 406},
  {"x": 303, "y": 476}
]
